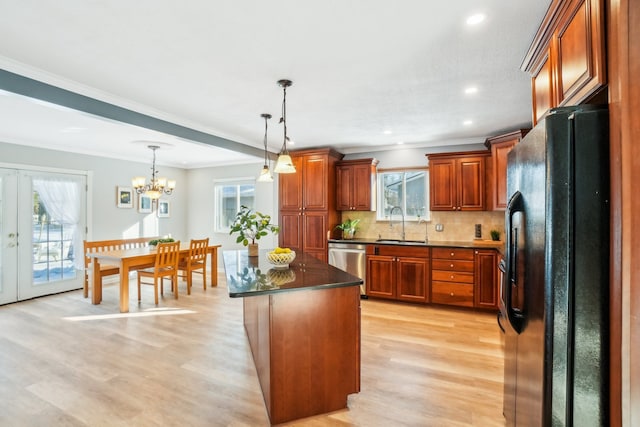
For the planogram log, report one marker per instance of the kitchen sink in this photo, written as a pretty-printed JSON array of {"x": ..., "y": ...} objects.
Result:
[{"x": 400, "y": 241}]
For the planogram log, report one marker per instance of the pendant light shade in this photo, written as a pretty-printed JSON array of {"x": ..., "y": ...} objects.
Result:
[
  {"x": 265, "y": 174},
  {"x": 284, "y": 163}
]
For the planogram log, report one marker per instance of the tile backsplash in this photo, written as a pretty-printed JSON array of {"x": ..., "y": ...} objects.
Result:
[{"x": 457, "y": 226}]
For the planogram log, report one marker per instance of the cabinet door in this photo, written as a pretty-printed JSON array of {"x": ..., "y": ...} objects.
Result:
[
  {"x": 499, "y": 158},
  {"x": 361, "y": 188},
  {"x": 580, "y": 51},
  {"x": 314, "y": 232},
  {"x": 290, "y": 187},
  {"x": 442, "y": 186},
  {"x": 412, "y": 278},
  {"x": 315, "y": 182},
  {"x": 486, "y": 280},
  {"x": 542, "y": 88},
  {"x": 381, "y": 276},
  {"x": 290, "y": 235},
  {"x": 344, "y": 182},
  {"x": 471, "y": 196}
]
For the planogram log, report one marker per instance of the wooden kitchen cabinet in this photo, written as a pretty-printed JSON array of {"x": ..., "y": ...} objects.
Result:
[
  {"x": 307, "y": 213},
  {"x": 452, "y": 276},
  {"x": 457, "y": 181},
  {"x": 566, "y": 60},
  {"x": 496, "y": 173},
  {"x": 398, "y": 272},
  {"x": 356, "y": 185},
  {"x": 486, "y": 278}
]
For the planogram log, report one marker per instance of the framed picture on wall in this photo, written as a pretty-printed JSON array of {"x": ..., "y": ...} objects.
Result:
[
  {"x": 164, "y": 209},
  {"x": 145, "y": 204},
  {"x": 125, "y": 197}
]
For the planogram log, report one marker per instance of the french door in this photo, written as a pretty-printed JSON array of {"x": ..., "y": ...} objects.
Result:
[{"x": 42, "y": 226}]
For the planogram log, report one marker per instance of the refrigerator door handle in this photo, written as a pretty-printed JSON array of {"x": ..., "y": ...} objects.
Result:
[{"x": 515, "y": 317}]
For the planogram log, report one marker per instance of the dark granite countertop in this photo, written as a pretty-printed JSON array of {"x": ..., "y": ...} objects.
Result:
[
  {"x": 252, "y": 276},
  {"x": 474, "y": 244}
]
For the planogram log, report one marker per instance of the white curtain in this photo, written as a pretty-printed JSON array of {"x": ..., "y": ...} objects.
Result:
[{"x": 61, "y": 198}]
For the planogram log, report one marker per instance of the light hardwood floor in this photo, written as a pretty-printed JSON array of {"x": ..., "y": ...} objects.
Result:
[{"x": 65, "y": 362}]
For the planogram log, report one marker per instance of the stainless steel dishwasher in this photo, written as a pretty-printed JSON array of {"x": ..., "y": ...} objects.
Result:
[{"x": 350, "y": 257}]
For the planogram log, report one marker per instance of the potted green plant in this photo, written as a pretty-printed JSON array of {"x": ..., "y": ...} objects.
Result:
[
  {"x": 348, "y": 228},
  {"x": 495, "y": 235},
  {"x": 155, "y": 242},
  {"x": 251, "y": 226}
]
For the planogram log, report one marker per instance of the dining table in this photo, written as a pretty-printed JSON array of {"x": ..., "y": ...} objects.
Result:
[{"x": 134, "y": 259}]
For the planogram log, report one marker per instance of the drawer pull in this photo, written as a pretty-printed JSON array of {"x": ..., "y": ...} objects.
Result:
[
  {"x": 452, "y": 276},
  {"x": 451, "y": 266},
  {"x": 451, "y": 294},
  {"x": 452, "y": 254}
]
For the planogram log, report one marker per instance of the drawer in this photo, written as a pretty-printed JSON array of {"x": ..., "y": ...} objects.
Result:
[
  {"x": 452, "y": 253},
  {"x": 452, "y": 294},
  {"x": 399, "y": 250},
  {"x": 451, "y": 276},
  {"x": 452, "y": 265}
]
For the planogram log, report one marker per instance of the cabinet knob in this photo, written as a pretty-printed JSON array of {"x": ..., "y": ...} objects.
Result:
[
  {"x": 451, "y": 265},
  {"x": 453, "y": 254},
  {"x": 452, "y": 276},
  {"x": 451, "y": 294}
]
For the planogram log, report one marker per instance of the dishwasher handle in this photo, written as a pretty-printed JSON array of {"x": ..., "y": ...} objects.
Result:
[{"x": 351, "y": 251}]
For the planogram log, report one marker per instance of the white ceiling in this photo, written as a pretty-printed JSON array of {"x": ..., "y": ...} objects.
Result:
[{"x": 366, "y": 74}]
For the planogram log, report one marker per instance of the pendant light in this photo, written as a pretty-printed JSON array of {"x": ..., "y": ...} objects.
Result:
[
  {"x": 284, "y": 163},
  {"x": 265, "y": 174}
]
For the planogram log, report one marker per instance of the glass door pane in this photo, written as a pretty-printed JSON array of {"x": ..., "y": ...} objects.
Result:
[{"x": 52, "y": 232}]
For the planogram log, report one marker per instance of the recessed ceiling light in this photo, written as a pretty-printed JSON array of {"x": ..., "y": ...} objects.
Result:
[
  {"x": 387, "y": 132},
  {"x": 471, "y": 90},
  {"x": 467, "y": 122},
  {"x": 400, "y": 142},
  {"x": 475, "y": 19}
]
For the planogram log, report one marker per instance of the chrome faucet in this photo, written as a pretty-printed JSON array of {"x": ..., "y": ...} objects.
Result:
[
  {"x": 391, "y": 218},
  {"x": 426, "y": 229}
]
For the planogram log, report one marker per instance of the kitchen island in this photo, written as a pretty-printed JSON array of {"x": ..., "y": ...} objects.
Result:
[{"x": 303, "y": 327}]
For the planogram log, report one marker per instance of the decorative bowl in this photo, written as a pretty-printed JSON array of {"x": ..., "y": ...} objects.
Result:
[{"x": 281, "y": 260}]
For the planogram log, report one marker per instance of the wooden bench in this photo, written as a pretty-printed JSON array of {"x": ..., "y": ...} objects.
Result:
[{"x": 109, "y": 245}]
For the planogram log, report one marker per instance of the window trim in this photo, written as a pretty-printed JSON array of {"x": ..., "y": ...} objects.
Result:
[
  {"x": 380, "y": 188},
  {"x": 237, "y": 182}
]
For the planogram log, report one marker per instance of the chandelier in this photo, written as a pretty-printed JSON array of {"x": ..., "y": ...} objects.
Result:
[
  {"x": 157, "y": 186},
  {"x": 284, "y": 163},
  {"x": 265, "y": 174}
]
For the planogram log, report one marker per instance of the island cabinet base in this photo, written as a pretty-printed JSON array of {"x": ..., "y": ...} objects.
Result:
[{"x": 306, "y": 348}]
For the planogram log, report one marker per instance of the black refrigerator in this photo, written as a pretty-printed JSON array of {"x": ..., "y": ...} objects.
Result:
[{"x": 554, "y": 294}]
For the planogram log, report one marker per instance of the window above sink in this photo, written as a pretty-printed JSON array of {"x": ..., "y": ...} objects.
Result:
[{"x": 406, "y": 188}]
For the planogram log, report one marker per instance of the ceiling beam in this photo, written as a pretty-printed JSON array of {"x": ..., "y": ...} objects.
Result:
[{"x": 26, "y": 86}]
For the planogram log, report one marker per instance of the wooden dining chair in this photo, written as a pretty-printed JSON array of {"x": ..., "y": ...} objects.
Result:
[
  {"x": 195, "y": 262},
  {"x": 166, "y": 265}
]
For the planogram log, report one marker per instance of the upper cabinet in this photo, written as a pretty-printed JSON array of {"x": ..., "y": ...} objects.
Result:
[
  {"x": 497, "y": 168},
  {"x": 457, "y": 181},
  {"x": 356, "y": 185},
  {"x": 567, "y": 58},
  {"x": 307, "y": 202}
]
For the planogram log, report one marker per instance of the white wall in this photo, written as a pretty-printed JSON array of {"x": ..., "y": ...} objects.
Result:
[
  {"x": 106, "y": 220},
  {"x": 200, "y": 220}
]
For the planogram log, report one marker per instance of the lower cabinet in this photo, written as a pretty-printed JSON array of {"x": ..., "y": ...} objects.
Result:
[
  {"x": 398, "y": 272},
  {"x": 462, "y": 277},
  {"x": 486, "y": 278}
]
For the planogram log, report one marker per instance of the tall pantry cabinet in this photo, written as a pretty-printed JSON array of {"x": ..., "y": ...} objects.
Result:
[{"x": 307, "y": 211}]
